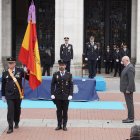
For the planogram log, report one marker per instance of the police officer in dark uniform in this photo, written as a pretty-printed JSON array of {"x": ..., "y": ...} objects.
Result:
[
  {"x": 11, "y": 93},
  {"x": 107, "y": 59},
  {"x": 61, "y": 93},
  {"x": 66, "y": 53},
  {"x": 46, "y": 62},
  {"x": 113, "y": 61},
  {"x": 99, "y": 58},
  {"x": 91, "y": 56},
  {"x": 124, "y": 52},
  {"x": 117, "y": 61}
]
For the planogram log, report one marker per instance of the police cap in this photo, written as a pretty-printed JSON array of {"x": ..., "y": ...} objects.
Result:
[
  {"x": 66, "y": 38},
  {"x": 61, "y": 62},
  {"x": 11, "y": 59}
]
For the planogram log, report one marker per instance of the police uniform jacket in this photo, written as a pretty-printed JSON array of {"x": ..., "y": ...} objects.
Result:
[
  {"x": 9, "y": 88},
  {"x": 66, "y": 52},
  {"x": 90, "y": 51},
  {"x": 108, "y": 56},
  {"x": 62, "y": 86},
  {"x": 117, "y": 56},
  {"x": 124, "y": 53}
]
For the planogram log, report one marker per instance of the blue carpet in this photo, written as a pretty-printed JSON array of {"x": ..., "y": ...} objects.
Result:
[{"x": 73, "y": 105}]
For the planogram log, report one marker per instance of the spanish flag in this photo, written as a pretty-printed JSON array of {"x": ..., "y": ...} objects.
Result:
[{"x": 29, "y": 52}]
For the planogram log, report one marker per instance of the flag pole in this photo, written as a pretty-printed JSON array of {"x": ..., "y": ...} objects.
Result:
[{"x": 32, "y": 2}]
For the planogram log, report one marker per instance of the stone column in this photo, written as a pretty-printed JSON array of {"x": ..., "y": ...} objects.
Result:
[
  {"x": 133, "y": 30},
  {"x": 137, "y": 66},
  {"x": 69, "y": 22},
  {"x": 6, "y": 29},
  {"x": 1, "y": 37}
]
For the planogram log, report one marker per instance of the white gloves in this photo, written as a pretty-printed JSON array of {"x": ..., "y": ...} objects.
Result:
[
  {"x": 25, "y": 69},
  {"x": 3, "y": 99},
  {"x": 52, "y": 97},
  {"x": 127, "y": 91},
  {"x": 86, "y": 59},
  {"x": 70, "y": 97}
]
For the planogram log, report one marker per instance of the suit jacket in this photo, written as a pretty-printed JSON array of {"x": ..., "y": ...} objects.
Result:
[
  {"x": 9, "y": 88},
  {"x": 127, "y": 79},
  {"x": 66, "y": 53},
  {"x": 62, "y": 86}
]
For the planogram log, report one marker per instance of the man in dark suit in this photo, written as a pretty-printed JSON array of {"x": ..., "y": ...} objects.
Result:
[
  {"x": 66, "y": 53},
  {"x": 61, "y": 93},
  {"x": 127, "y": 86},
  {"x": 11, "y": 93},
  {"x": 91, "y": 56}
]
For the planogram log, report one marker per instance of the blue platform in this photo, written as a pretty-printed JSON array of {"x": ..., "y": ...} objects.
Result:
[
  {"x": 85, "y": 89},
  {"x": 100, "y": 82},
  {"x": 73, "y": 105}
]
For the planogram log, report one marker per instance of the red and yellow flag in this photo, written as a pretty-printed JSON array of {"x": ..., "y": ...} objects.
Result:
[{"x": 29, "y": 52}]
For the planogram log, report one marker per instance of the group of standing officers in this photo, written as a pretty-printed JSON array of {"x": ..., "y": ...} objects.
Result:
[
  {"x": 94, "y": 56},
  {"x": 110, "y": 57}
]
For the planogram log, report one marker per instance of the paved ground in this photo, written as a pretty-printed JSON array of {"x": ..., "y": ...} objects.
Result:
[{"x": 39, "y": 124}]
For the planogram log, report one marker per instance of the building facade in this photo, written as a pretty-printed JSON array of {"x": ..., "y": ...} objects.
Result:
[{"x": 110, "y": 21}]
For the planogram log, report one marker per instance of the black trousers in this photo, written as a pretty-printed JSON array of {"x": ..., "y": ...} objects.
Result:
[
  {"x": 117, "y": 67},
  {"x": 98, "y": 66},
  {"x": 67, "y": 65},
  {"x": 112, "y": 66},
  {"x": 62, "y": 111},
  {"x": 129, "y": 104},
  {"x": 46, "y": 68},
  {"x": 92, "y": 68},
  {"x": 14, "y": 111},
  {"x": 107, "y": 67}
]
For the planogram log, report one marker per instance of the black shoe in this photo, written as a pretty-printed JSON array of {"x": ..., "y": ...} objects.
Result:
[
  {"x": 65, "y": 128},
  {"x": 16, "y": 126},
  {"x": 128, "y": 120},
  {"x": 9, "y": 131},
  {"x": 58, "y": 128}
]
